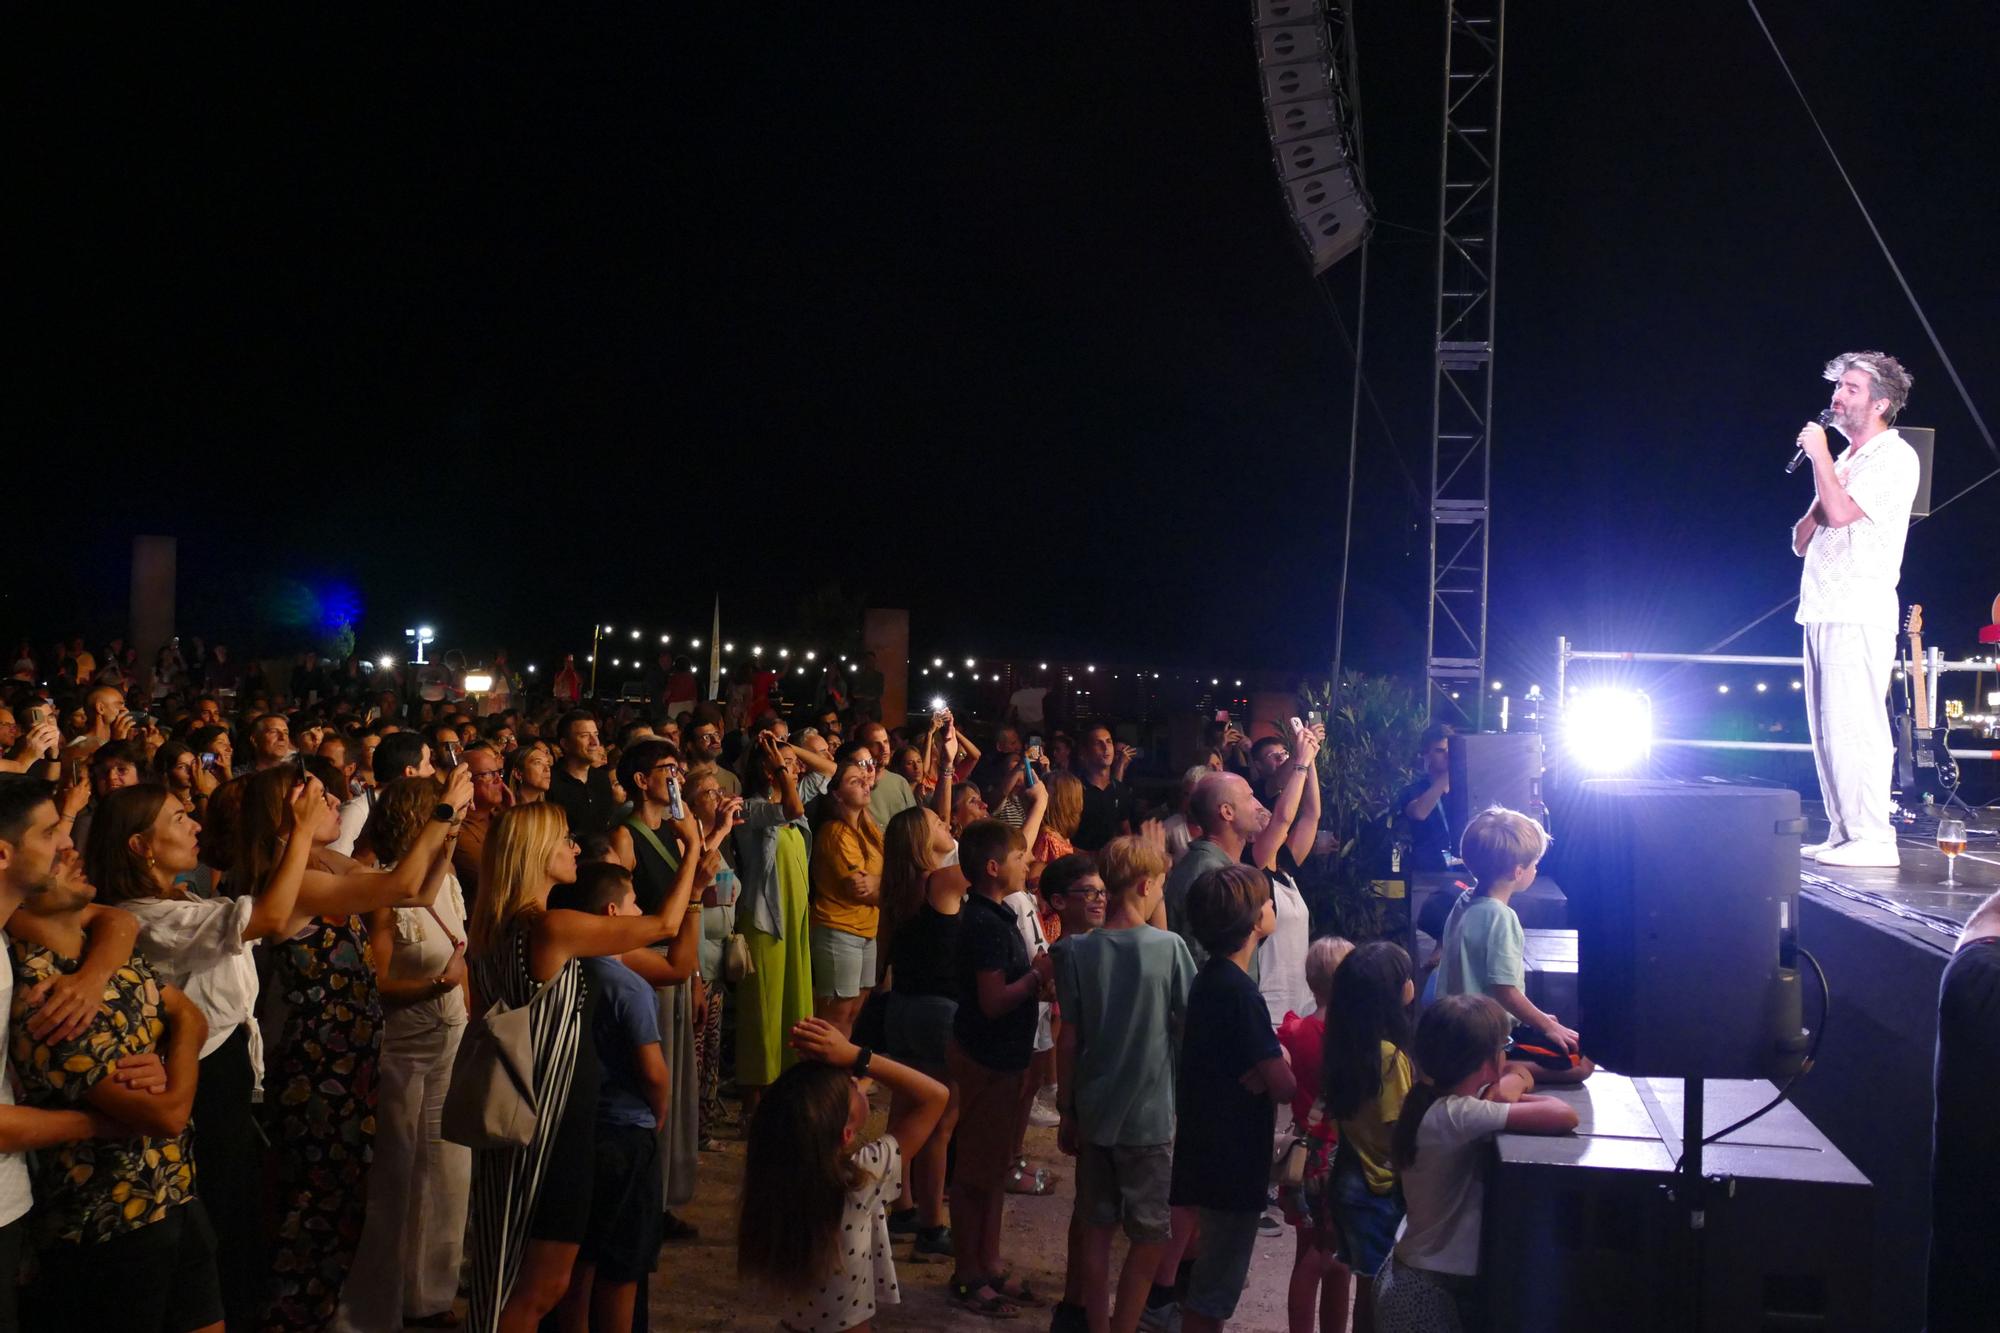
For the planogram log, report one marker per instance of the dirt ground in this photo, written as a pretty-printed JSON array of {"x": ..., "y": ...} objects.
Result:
[{"x": 695, "y": 1286}]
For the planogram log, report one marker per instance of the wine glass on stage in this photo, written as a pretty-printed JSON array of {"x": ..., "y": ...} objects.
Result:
[{"x": 1951, "y": 841}]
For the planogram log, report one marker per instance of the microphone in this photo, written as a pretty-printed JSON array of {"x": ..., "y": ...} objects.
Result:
[{"x": 1825, "y": 419}]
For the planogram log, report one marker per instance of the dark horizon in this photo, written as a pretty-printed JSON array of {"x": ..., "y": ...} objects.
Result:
[{"x": 521, "y": 326}]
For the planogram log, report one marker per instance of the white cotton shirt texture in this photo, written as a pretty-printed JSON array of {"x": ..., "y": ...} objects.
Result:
[
  {"x": 1029, "y": 922},
  {"x": 423, "y": 945},
  {"x": 1281, "y": 958},
  {"x": 864, "y": 1278},
  {"x": 15, "y": 1193},
  {"x": 197, "y": 944},
  {"x": 353, "y": 814},
  {"x": 1850, "y": 573},
  {"x": 1444, "y": 1190}
]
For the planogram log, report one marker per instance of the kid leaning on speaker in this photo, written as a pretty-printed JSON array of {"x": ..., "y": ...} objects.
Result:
[{"x": 1483, "y": 942}]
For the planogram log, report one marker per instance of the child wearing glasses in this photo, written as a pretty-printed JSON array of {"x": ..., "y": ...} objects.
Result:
[{"x": 1123, "y": 991}]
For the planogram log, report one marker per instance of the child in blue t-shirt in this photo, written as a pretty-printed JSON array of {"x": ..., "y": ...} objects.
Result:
[
  {"x": 1233, "y": 1077},
  {"x": 621, "y": 1244},
  {"x": 1483, "y": 941}
]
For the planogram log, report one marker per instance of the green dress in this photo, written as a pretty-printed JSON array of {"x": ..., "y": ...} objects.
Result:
[{"x": 778, "y": 991}]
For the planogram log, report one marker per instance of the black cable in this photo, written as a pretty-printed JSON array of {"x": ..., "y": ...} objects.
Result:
[{"x": 1805, "y": 1066}]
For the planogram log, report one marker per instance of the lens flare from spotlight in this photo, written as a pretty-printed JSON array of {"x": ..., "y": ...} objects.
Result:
[{"x": 1608, "y": 730}]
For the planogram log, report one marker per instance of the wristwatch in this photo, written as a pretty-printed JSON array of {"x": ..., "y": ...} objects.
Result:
[
  {"x": 444, "y": 812},
  {"x": 862, "y": 1055}
]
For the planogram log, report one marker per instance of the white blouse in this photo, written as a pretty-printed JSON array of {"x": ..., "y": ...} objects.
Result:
[
  {"x": 1281, "y": 958},
  {"x": 865, "y": 1278},
  {"x": 422, "y": 949},
  {"x": 197, "y": 944}
]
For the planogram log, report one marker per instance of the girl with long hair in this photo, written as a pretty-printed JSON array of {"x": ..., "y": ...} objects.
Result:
[
  {"x": 812, "y": 1232},
  {"x": 1364, "y": 1077},
  {"x": 921, "y": 900},
  {"x": 531, "y": 1205},
  {"x": 1469, "y": 1093},
  {"x": 142, "y": 841},
  {"x": 846, "y": 896},
  {"x": 319, "y": 1102}
]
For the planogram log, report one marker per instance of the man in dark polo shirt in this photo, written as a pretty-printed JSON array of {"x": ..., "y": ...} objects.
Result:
[
  {"x": 1108, "y": 804},
  {"x": 582, "y": 782},
  {"x": 992, "y": 1040},
  {"x": 1965, "y": 1141}
]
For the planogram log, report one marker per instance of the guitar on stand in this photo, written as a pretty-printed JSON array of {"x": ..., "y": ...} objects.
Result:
[{"x": 1923, "y": 750}]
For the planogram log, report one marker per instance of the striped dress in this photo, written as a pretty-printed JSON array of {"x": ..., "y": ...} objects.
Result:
[{"x": 507, "y": 1183}]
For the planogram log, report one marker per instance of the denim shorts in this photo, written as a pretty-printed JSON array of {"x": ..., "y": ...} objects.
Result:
[
  {"x": 1367, "y": 1221},
  {"x": 843, "y": 963},
  {"x": 1227, "y": 1241}
]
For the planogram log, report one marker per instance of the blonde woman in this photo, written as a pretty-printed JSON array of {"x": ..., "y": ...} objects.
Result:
[{"x": 530, "y": 1205}]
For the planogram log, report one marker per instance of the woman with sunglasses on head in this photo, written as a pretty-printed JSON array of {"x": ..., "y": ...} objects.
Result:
[{"x": 531, "y": 1205}]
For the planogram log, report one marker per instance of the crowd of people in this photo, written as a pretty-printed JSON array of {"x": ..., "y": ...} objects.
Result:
[{"x": 252, "y": 926}]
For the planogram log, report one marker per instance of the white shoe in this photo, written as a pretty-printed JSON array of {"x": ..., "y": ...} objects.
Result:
[
  {"x": 1042, "y": 1112},
  {"x": 1811, "y": 850},
  {"x": 1881, "y": 854}
]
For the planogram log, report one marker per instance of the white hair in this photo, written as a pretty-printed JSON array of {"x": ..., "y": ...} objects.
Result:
[{"x": 1886, "y": 378}]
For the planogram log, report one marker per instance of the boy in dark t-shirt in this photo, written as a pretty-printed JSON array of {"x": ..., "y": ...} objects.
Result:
[
  {"x": 992, "y": 1040},
  {"x": 1233, "y": 1078}
]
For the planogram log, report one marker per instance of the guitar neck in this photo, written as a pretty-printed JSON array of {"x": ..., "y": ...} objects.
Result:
[{"x": 1920, "y": 688}]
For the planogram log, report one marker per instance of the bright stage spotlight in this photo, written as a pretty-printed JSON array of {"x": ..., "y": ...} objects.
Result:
[{"x": 1609, "y": 731}]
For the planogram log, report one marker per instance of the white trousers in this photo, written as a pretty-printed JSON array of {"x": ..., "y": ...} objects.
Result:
[
  {"x": 413, "y": 1236},
  {"x": 1847, "y": 691}
]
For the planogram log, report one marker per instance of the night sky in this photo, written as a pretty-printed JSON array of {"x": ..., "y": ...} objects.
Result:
[{"x": 994, "y": 314}]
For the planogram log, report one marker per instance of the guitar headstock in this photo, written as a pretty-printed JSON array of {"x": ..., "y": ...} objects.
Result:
[{"x": 1914, "y": 623}]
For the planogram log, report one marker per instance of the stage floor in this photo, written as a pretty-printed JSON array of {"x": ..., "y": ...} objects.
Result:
[{"x": 1914, "y": 897}]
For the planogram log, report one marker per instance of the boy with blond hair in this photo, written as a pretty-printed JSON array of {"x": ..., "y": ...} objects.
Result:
[
  {"x": 1123, "y": 991},
  {"x": 1484, "y": 942}
]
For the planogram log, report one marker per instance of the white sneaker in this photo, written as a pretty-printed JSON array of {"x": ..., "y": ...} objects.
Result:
[
  {"x": 1881, "y": 854},
  {"x": 1042, "y": 1113},
  {"x": 1811, "y": 850}
]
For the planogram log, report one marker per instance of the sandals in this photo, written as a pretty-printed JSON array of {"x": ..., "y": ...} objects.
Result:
[
  {"x": 1022, "y": 1293},
  {"x": 1022, "y": 1179},
  {"x": 965, "y": 1295}
]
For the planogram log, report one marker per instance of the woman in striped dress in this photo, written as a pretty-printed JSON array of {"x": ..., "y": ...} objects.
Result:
[{"x": 530, "y": 1205}]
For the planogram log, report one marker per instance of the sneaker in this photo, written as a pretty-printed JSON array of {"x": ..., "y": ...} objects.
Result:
[
  {"x": 1161, "y": 1318},
  {"x": 1811, "y": 850},
  {"x": 903, "y": 1222},
  {"x": 1269, "y": 1224},
  {"x": 1881, "y": 854},
  {"x": 932, "y": 1243},
  {"x": 1043, "y": 1116}
]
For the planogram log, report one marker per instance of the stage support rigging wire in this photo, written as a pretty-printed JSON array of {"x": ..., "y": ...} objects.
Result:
[
  {"x": 1349, "y": 65},
  {"x": 1894, "y": 267}
]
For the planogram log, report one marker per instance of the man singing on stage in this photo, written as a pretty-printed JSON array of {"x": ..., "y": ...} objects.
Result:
[{"x": 1852, "y": 541}]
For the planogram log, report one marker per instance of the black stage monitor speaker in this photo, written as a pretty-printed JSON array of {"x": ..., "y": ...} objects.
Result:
[
  {"x": 1685, "y": 899},
  {"x": 1923, "y": 439},
  {"x": 1494, "y": 768}
]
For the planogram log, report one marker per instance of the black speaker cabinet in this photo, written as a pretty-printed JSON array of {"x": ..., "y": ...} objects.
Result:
[
  {"x": 1684, "y": 896},
  {"x": 1493, "y": 768}
]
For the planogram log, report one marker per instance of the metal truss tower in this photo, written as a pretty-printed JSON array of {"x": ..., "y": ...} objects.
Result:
[{"x": 1462, "y": 396}]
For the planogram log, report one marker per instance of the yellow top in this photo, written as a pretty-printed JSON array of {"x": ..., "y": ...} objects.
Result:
[
  {"x": 1369, "y": 1132},
  {"x": 841, "y": 850}
]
